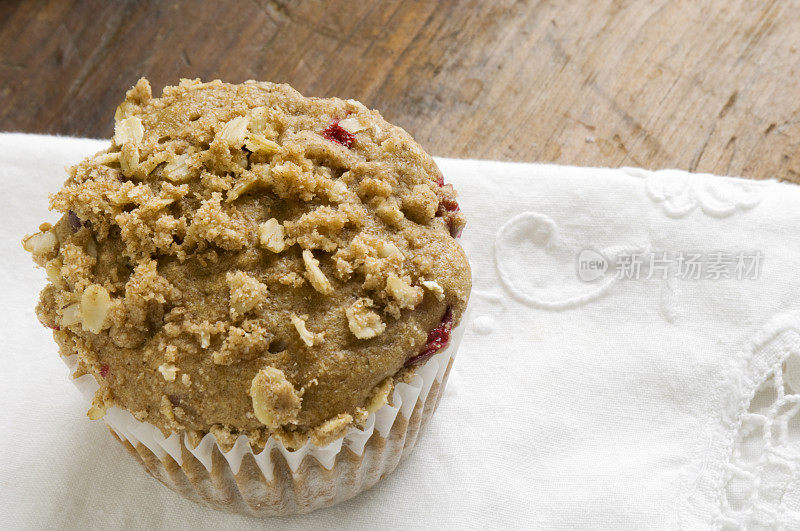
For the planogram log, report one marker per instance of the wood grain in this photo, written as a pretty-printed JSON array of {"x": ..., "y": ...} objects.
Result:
[{"x": 700, "y": 85}]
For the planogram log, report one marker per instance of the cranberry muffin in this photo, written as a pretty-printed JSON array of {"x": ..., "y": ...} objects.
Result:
[{"x": 247, "y": 261}]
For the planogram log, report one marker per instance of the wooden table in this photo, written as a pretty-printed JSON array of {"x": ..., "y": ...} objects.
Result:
[{"x": 700, "y": 85}]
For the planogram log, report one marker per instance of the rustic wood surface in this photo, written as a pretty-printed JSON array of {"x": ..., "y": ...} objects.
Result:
[{"x": 700, "y": 85}]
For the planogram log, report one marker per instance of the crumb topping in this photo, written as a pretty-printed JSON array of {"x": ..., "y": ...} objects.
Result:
[
  {"x": 275, "y": 400},
  {"x": 363, "y": 322},
  {"x": 245, "y": 260}
]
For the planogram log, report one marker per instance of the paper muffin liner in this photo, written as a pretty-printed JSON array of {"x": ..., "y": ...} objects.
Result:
[{"x": 278, "y": 481}]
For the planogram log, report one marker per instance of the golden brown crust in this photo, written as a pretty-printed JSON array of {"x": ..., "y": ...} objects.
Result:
[{"x": 236, "y": 229}]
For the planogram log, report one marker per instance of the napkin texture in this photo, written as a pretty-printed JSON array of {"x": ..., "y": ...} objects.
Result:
[{"x": 599, "y": 383}]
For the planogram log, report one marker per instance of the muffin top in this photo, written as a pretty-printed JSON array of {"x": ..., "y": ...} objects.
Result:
[{"x": 246, "y": 260}]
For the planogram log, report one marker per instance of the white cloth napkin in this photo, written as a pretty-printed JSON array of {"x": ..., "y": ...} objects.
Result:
[{"x": 621, "y": 403}]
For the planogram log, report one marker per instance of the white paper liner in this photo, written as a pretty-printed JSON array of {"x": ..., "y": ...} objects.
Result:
[{"x": 404, "y": 399}]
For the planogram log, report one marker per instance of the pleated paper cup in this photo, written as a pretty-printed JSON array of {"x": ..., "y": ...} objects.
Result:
[{"x": 278, "y": 481}]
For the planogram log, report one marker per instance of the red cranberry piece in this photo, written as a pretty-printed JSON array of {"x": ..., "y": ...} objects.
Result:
[
  {"x": 451, "y": 205},
  {"x": 438, "y": 338},
  {"x": 74, "y": 221},
  {"x": 340, "y": 135},
  {"x": 104, "y": 370},
  {"x": 446, "y": 206},
  {"x": 440, "y": 180}
]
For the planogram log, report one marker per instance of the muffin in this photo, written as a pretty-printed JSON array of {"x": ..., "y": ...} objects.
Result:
[{"x": 260, "y": 291}]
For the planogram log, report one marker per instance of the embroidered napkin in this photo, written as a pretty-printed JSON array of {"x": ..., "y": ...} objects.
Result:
[{"x": 632, "y": 362}]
